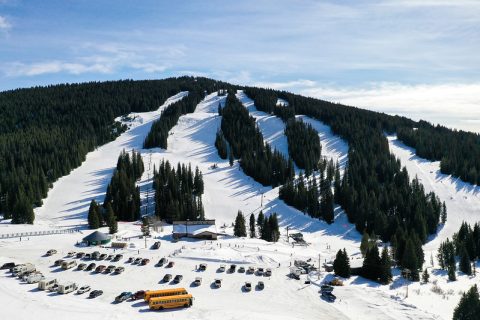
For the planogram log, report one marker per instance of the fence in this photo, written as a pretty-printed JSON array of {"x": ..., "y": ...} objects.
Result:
[{"x": 37, "y": 233}]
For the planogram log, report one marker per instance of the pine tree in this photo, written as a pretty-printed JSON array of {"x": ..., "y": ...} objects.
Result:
[
  {"x": 111, "y": 219},
  {"x": 260, "y": 222},
  {"x": 23, "y": 212},
  {"x": 239, "y": 227},
  {"x": 274, "y": 228},
  {"x": 365, "y": 243},
  {"x": 410, "y": 260},
  {"x": 425, "y": 276},
  {"x": 252, "y": 226},
  {"x": 451, "y": 274},
  {"x": 443, "y": 217},
  {"x": 230, "y": 157},
  {"x": 93, "y": 215},
  {"x": 465, "y": 265},
  {"x": 371, "y": 264},
  {"x": 385, "y": 267},
  {"x": 469, "y": 306},
  {"x": 341, "y": 264}
]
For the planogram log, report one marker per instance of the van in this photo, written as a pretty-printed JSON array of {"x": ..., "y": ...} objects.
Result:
[
  {"x": 21, "y": 270},
  {"x": 35, "y": 277},
  {"x": 67, "y": 287},
  {"x": 46, "y": 283},
  {"x": 68, "y": 264}
]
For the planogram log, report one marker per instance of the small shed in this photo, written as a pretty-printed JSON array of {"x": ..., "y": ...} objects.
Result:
[{"x": 96, "y": 238}]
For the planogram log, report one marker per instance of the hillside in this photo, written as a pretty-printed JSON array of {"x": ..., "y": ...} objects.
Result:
[{"x": 229, "y": 189}]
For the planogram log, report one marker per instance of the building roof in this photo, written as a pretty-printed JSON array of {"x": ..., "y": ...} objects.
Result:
[
  {"x": 194, "y": 229},
  {"x": 96, "y": 236}
]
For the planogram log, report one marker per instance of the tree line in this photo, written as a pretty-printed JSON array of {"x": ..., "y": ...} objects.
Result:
[
  {"x": 303, "y": 145},
  {"x": 158, "y": 135},
  {"x": 268, "y": 228},
  {"x": 245, "y": 140},
  {"x": 178, "y": 193},
  {"x": 45, "y": 132},
  {"x": 457, "y": 151}
]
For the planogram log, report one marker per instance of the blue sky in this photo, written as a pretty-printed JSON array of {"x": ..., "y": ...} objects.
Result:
[{"x": 415, "y": 57}]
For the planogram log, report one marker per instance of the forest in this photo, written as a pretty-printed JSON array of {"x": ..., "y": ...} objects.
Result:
[
  {"x": 239, "y": 131},
  {"x": 457, "y": 151},
  {"x": 178, "y": 192},
  {"x": 303, "y": 145},
  {"x": 45, "y": 132}
]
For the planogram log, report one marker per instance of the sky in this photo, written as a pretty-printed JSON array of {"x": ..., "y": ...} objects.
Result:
[{"x": 418, "y": 58}]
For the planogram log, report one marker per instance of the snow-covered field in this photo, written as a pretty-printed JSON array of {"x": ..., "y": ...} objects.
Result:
[{"x": 227, "y": 190}]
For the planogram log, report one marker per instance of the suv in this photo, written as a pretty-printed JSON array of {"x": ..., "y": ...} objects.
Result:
[
  {"x": 260, "y": 272},
  {"x": 119, "y": 270},
  {"x": 260, "y": 285},
  {"x": 100, "y": 268},
  {"x": 161, "y": 262},
  {"x": 51, "y": 252},
  {"x": 268, "y": 272},
  {"x": 217, "y": 283},
  {"x": 82, "y": 266},
  {"x": 123, "y": 296},
  {"x": 241, "y": 270},
  {"x": 95, "y": 293},
  {"x": 222, "y": 268},
  {"x": 91, "y": 267},
  {"x": 138, "y": 295},
  {"x": 232, "y": 269},
  {"x": 248, "y": 286},
  {"x": 83, "y": 289},
  {"x": 110, "y": 268},
  {"x": 80, "y": 255},
  {"x": 251, "y": 270},
  {"x": 58, "y": 262},
  {"x": 156, "y": 245},
  {"x": 167, "y": 277},
  {"x": 202, "y": 267},
  {"x": 178, "y": 278},
  {"x": 117, "y": 257},
  {"x": 198, "y": 281}
]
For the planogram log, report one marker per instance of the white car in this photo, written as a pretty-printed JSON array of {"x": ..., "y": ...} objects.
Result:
[
  {"x": 71, "y": 254},
  {"x": 83, "y": 289},
  {"x": 222, "y": 268},
  {"x": 198, "y": 281}
]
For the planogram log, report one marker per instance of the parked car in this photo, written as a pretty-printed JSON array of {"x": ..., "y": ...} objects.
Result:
[
  {"x": 123, "y": 296},
  {"x": 103, "y": 256},
  {"x": 87, "y": 256},
  {"x": 156, "y": 245},
  {"x": 178, "y": 278},
  {"x": 109, "y": 257},
  {"x": 7, "y": 265},
  {"x": 167, "y": 277},
  {"x": 58, "y": 262},
  {"x": 170, "y": 264},
  {"x": 268, "y": 272},
  {"x": 117, "y": 257},
  {"x": 144, "y": 262},
  {"x": 130, "y": 260},
  {"x": 326, "y": 288},
  {"x": 251, "y": 270},
  {"x": 137, "y": 261},
  {"x": 247, "y": 286},
  {"x": 330, "y": 297},
  {"x": 71, "y": 253},
  {"x": 110, "y": 268},
  {"x": 100, "y": 268},
  {"x": 198, "y": 281},
  {"x": 222, "y": 268},
  {"x": 95, "y": 293},
  {"x": 202, "y": 267},
  {"x": 51, "y": 252},
  {"x": 217, "y": 283},
  {"x": 138, "y": 295},
  {"x": 119, "y": 270},
  {"x": 82, "y": 266},
  {"x": 260, "y": 285},
  {"x": 80, "y": 255},
  {"x": 260, "y": 272},
  {"x": 34, "y": 277},
  {"x": 232, "y": 269},
  {"x": 91, "y": 267},
  {"x": 241, "y": 269},
  {"x": 83, "y": 289},
  {"x": 161, "y": 262},
  {"x": 96, "y": 255}
]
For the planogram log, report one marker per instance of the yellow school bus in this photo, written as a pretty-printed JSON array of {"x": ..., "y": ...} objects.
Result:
[
  {"x": 168, "y": 302},
  {"x": 164, "y": 293}
]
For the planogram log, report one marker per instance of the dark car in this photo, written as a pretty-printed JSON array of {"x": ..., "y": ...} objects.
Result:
[
  {"x": 87, "y": 256},
  {"x": 100, "y": 268},
  {"x": 170, "y": 264},
  {"x": 328, "y": 296},
  {"x": 123, "y": 296},
  {"x": 7, "y": 265},
  {"x": 109, "y": 257},
  {"x": 232, "y": 269},
  {"x": 260, "y": 285},
  {"x": 138, "y": 295},
  {"x": 161, "y": 262},
  {"x": 110, "y": 268},
  {"x": 103, "y": 256},
  {"x": 167, "y": 277},
  {"x": 241, "y": 270},
  {"x": 202, "y": 267},
  {"x": 137, "y": 261},
  {"x": 144, "y": 262},
  {"x": 178, "y": 278},
  {"x": 156, "y": 245},
  {"x": 91, "y": 267},
  {"x": 58, "y": 262},
  {"x": 130, "y": 260},
  {"x": 82, "y": 266},
  {"x": 80, "y": 255},
  {"x": 117, "y": 257},
  {"x": 95, "y": 293}
]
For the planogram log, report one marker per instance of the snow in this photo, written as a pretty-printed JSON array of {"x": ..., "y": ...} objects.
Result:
[{"x": 227, "y": 190}]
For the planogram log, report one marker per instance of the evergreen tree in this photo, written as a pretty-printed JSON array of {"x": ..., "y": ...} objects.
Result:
[
  {"x": 385, "y": 267},
  {"x": 444, "y": 213},
  {"x": 371, "y": 264},
  {"x": 230, "y": 157},
  {"x": 410, "y": 260},
  {"x": 252, "y": 226},
  {"x": 274, "y": 228},
  {"x": 465, "y": 265},
  {"x": 365, "y": 243},
  {"x": 23, "y": 212},
  {"x": 469, "y": 306},
  {"x": 425, "y": 276},
  {"x": 111, "y": 220},
  {"x": 260, "y": 222},
  {"x": 239, "y": 228},
  {"x": 451, "y": 274},
  {"x": 341, "y": 264},
  {"x": 93, "y": 215}
]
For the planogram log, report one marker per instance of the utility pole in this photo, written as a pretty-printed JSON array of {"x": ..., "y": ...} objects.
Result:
[
  {"x": 145, "y": 241},
  {"x": 319, "y": 268},
  {"x": 288, "y": 239}
]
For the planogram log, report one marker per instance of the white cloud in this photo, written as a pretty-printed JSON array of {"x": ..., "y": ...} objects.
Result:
[
  {"x": 4, "y": 24},
  {"x": 49, "y": 67}
]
